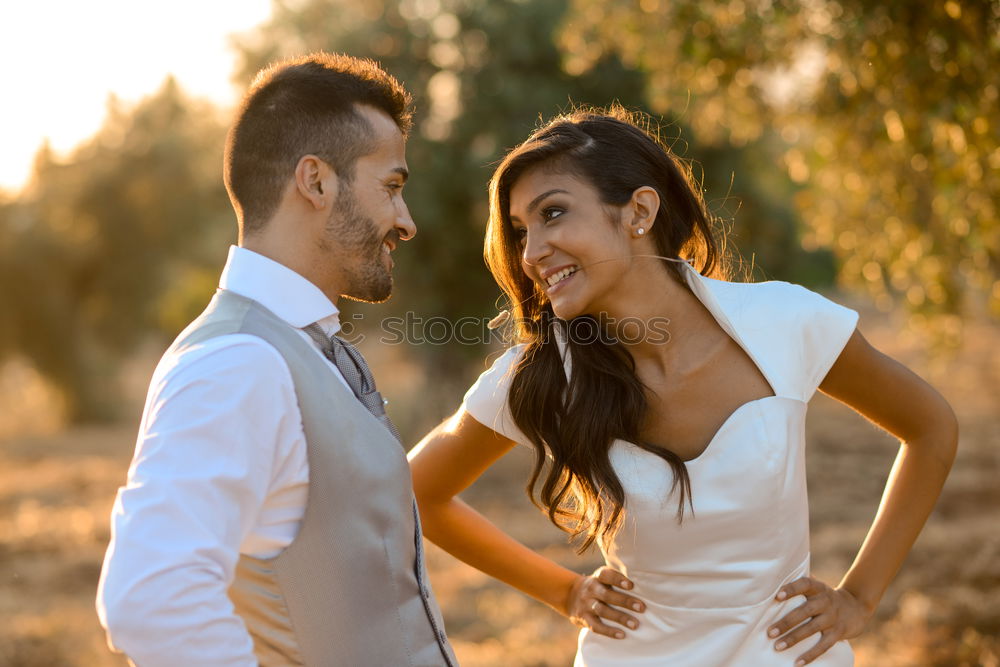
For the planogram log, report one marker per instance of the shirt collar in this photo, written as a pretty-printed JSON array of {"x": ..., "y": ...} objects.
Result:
[{"x": 278, "y": 288}]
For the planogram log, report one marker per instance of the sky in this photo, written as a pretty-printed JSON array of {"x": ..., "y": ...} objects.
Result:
[{"x": 60, "y": 60}]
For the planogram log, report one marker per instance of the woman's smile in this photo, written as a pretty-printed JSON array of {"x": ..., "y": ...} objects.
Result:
[{"x": 555, "y": 282}]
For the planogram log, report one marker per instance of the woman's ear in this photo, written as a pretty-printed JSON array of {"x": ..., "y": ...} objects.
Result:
[
  {"x": 641, "y": 211},
  {"x": 316, "y": 181}
]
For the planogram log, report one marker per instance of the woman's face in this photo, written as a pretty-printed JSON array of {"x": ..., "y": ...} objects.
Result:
[{"x": 569, "y": 246}]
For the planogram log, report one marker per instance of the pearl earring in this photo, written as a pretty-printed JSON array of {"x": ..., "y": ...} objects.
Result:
[{"x": 640, "y": 231}]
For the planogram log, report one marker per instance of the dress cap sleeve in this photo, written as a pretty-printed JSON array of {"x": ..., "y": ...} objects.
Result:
[
  {"x": 486, "y": 400},
  {"x": 825, "y": 327}
]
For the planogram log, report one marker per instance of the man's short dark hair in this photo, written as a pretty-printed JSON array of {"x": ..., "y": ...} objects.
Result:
[{"x": 307, "y": 105}]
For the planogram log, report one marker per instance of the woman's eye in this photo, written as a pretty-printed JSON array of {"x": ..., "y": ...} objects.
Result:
[
  {"x": 551, "y": 213},
  {"x": 521, "y": 235}
]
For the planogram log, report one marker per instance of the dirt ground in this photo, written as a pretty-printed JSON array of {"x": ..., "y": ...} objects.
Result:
[{"x": 56, "y": 491}]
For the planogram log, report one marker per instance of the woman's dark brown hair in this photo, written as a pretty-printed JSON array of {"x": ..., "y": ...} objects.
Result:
[{"x": 575, "y": 424}]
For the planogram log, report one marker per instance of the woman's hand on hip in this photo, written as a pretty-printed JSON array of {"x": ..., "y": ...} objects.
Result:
[
  {"x": 834, "y": 613},
  {"x": 595, "y": 599}
]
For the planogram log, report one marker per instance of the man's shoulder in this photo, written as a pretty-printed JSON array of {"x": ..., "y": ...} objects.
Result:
[
  {"x": 220, "y": 359},
  {"x": 224, "y": 314}
]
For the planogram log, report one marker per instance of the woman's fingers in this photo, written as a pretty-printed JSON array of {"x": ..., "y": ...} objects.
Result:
[
  {"x": 817, "y": 596},
  {"x": 605, "y": 611},
  {"x": 807, "y": 610},
  {"x": 597, "y": 624},
  {"x": 597, "y": 600},
  {"x": 833, "y": 614},
  {"x": 826, "y": 640},
  {"x": 612, "y": 577},
  {"x": 817, "y": 624},
  {"x": 603, "y": 629},
  {"x": 623, "y": 600},
  {"x": 804, "y": 586}
]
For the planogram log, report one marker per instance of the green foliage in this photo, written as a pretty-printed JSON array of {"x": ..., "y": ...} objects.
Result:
[
  {"x": 887, "y": 114},
  {"x": 96, "y": 241}
]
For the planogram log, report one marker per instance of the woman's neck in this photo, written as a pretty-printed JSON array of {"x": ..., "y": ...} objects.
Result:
[{"x": 657, "y": 318}]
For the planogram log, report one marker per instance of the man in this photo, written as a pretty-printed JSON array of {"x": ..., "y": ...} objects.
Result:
[{"x": 268, "y": 515}]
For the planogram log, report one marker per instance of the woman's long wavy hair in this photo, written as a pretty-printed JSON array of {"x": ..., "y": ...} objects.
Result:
[{"x": 572, "y": 426}]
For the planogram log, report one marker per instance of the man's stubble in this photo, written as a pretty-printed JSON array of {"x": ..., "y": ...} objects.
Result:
[{"x": 355, "y": 243}]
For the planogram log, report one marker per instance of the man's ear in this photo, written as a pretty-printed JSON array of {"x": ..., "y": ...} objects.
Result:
[
  {"x": 316, "y": 181},
  {"x": 640, "y": 211}
]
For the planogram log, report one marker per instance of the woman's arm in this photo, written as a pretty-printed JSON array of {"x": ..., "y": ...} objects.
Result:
[
  {"x": 894, "y": 398},
  {"x": 447, "y": 461}
]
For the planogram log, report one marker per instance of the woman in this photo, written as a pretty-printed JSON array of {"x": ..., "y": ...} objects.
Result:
[{"x": 666, "y": 408}]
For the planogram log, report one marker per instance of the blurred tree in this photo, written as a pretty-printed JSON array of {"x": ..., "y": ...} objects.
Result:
[
  {"x": 96, "y": 243},
  {"x": 888, "y": 116}
]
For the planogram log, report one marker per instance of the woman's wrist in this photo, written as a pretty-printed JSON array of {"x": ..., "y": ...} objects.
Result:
[
  {"x": 864, "y": 598},
  {"x": 566, "y": 609}
]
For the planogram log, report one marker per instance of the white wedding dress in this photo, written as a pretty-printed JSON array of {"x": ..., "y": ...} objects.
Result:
[{"x": 709, "y": 583}]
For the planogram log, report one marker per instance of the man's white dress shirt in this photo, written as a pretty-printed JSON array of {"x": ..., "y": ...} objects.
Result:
[{"x": 219, "y": 469}]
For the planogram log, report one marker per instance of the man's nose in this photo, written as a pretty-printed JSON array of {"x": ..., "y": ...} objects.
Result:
[{"x": 404, "y": 223}]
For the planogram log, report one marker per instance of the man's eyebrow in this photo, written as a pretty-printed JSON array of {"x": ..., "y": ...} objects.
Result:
[{"x": 537, "y": 200}]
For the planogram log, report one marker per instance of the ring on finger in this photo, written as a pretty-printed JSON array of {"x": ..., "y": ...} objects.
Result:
[{"x": 594, "y": 605}]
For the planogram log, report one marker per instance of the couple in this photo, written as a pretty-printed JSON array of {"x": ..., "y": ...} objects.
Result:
[{"x": 269, "y": 514}]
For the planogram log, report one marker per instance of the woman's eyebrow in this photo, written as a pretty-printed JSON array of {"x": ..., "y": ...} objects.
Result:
[{"x": 537, "y": 200}]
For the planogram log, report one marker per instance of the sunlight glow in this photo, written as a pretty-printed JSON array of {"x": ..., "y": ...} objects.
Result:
[{"x": 61, "y": 61}]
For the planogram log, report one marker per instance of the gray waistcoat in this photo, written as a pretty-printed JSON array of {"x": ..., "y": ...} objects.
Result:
[{"x": 351, "y": 589}]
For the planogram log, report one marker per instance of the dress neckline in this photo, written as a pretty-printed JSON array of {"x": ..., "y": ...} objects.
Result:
[{"x": 702, "y": 290}]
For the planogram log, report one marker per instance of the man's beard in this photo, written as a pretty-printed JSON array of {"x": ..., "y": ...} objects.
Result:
[{"x": 359, "y": 251}]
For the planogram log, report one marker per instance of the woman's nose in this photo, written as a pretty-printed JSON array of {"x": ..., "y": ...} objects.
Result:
[{"x": 535, "y": 249}]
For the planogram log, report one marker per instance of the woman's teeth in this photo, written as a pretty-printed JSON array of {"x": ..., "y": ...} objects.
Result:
[{"x": 561, "y": 275}]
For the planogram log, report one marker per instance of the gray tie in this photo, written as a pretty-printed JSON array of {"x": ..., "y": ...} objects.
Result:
[{"x": 355, "y": 370}]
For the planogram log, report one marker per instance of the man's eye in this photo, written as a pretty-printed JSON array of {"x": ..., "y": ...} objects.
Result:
[{"x": 551, "y": 213}]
